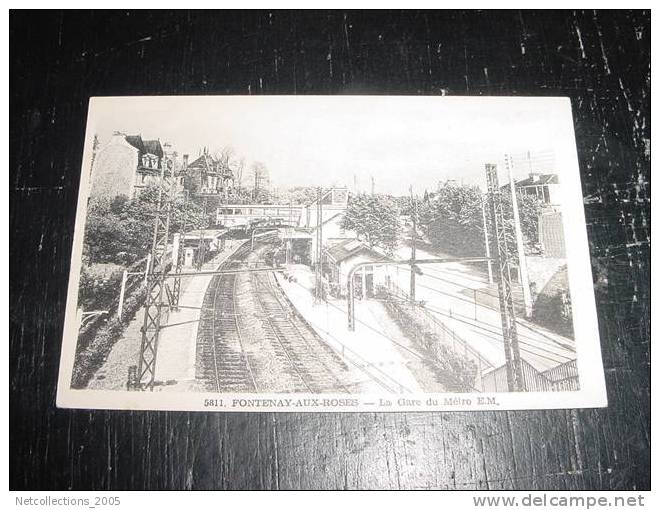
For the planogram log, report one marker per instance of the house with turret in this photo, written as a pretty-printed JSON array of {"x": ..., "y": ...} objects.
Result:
[{"x": 207, "y": 176}]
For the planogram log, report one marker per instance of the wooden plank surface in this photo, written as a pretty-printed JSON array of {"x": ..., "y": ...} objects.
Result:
[{"x": 58, "y": 60}]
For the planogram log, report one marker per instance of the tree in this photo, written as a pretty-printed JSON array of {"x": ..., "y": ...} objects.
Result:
[
  {"x": 300, "y": 195},
  {"x": 529, "y": 209},
  {"x": 375, "y": 218},
  {"x": 225, "y": 156},
  {"x": 120, "y": 230},
  {"x": 453, "y": 219}
]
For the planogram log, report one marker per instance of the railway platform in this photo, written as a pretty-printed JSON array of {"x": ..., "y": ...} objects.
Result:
[{"x": 377, "y": 350}]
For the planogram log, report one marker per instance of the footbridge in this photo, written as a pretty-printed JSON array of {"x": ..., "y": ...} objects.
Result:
[{"x": 243, "y": 216}]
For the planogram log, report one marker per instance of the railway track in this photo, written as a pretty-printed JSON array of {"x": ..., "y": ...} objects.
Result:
[
  {"x": 224, "y": 365},
  {"x": 305, "y": 363},
  {"x": 294, "y": 343}
]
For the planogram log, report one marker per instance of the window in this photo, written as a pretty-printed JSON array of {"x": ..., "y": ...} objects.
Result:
[{"x": 546, "y": 194}]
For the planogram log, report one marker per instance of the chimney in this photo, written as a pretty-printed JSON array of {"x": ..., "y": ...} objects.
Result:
[
  {"x": 185, "y": 162},
  {"x": 534, "y": 176},
  {"x": 117, "y": 135}
]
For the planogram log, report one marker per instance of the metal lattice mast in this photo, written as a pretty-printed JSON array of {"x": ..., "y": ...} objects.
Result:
[
  {"x": 145, "y": 372},
  {"x": 180, "y": 256},
  {"x": 520, "y": 244},
  {"x": 413, "y": 246},
  {"x": 500, "y": 252},
  {"x": 319, "y": 246}
]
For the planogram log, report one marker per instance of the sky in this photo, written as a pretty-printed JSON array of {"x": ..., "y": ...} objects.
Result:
[{"x": 400, "y": 141}]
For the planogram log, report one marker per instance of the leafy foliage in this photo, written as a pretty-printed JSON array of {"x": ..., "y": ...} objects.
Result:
[
  {"x": 121, "y": 230},
  {"x": 375, "y": 218},
  {"x": 299, "y": 195},
  {"x": 453, "y": 219}
]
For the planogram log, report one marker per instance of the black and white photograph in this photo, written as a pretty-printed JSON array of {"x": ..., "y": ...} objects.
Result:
[
  {"x": 330, "y": 253},
  {"x": 329, "y": 248}
]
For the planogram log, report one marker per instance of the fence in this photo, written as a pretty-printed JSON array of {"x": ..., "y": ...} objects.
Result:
[
  {"x": 441, "y": 334},
  {"x": 489, "y": 378},
  {"x": 563, "y": 377},
  {"x": 112, "y": 305}
]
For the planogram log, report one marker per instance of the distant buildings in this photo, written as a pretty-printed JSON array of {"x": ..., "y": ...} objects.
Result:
[
  {"x": 207, "y": 175},
  {"x": 128, "y": 163},
  {"x": 125, "y": 165},
  {"x": 546, "y": 188},
  {"x": 543, "y": 186}
]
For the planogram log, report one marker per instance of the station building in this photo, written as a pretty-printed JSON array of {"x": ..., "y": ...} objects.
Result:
[{"x": 343, "y": 257}]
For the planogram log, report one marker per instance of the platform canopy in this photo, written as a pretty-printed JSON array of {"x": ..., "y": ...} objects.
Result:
[{"x": 206, "y": 234}]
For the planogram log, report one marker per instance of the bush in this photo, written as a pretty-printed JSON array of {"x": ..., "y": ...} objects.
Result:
[
  {"x": 91, "y": 355},
  {"x": 97, "y": 292},
  {"x": 454, "y": 370}
]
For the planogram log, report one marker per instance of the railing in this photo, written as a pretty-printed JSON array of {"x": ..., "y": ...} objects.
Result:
[{"x": 563, "y": 377}]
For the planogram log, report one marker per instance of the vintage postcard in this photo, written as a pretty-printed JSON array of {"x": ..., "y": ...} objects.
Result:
[{"x": 330, "y": 253}]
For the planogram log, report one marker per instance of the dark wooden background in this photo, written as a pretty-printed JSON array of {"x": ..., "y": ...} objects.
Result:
[{"x": 59, "y": 59}]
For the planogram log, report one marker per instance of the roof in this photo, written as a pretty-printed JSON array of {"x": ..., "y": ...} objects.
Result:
[
  {"x": 349, "y": 248},
  {"x": 207, "y": 234},
  {"x": 541, "y": 179},
  {"x": 145, "y": 146},
  {"x": 153, "y": 147},
  {"x": 204, "y": 161},
  {"x": 136, "y": 141}
]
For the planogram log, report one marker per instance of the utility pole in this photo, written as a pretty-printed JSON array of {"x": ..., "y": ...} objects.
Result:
[
  {"x": 413, "y": 245},
  {"x": 318, "y": 294},
  {"x": 501, "y": 255},
  {"x": 256, "y": 184},
  {"x": 486, "y": 241},
  {"x": 142, "y": 376},
  {"x": 178, "y": 255},
  {"x": 122, "y": 291},
  {"x": 200, "y": 248},
  {"x": 522, "y": 261}
]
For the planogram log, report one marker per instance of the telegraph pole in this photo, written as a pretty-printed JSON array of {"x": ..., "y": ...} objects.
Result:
[
  {"x": 319, "y": 246},
  {"x": 486, "y": 241},
  {"x": 501, "y": 255},
  {"x": 522, "y": 261},
  {"x": 179, "y": 256},
  {"x": 413, "y": 245}
]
